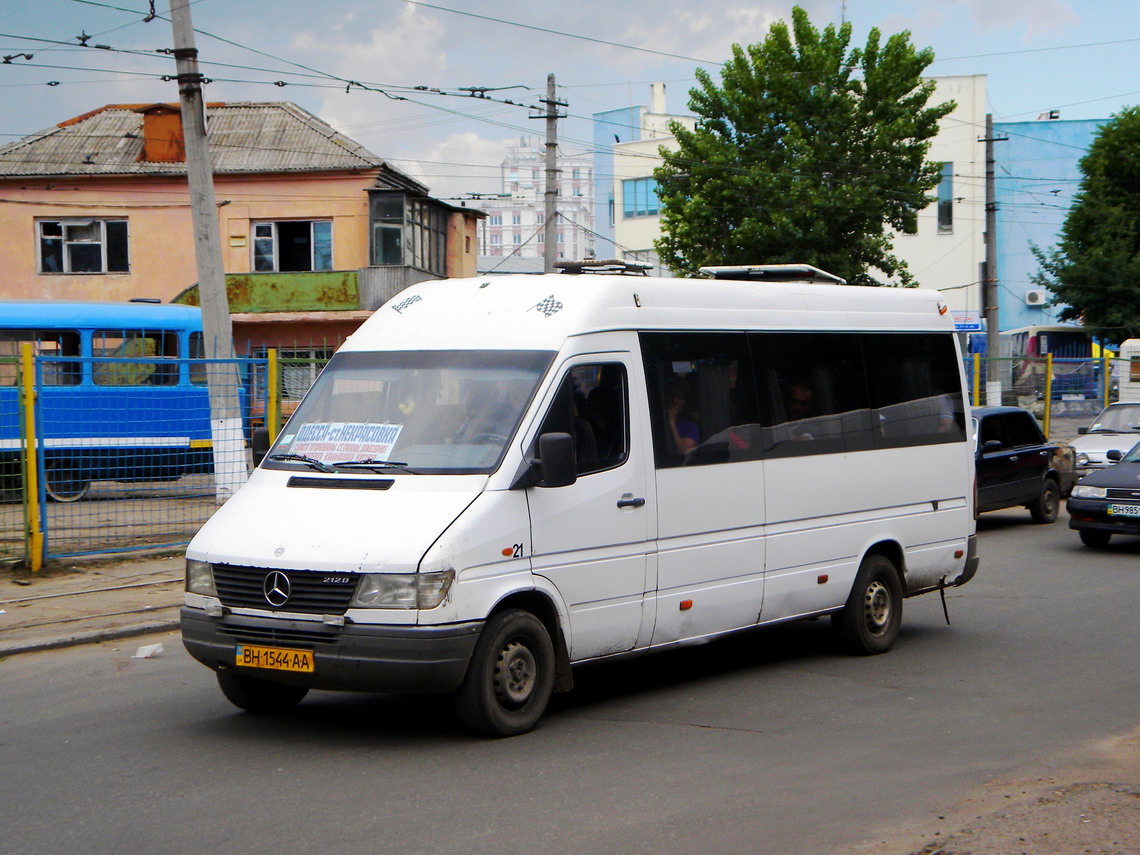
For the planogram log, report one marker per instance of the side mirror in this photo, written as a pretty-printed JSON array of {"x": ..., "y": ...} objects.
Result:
[
  {"x": 1115, "y": 455},
  {"x": 259, "y": 444},
  {"x": 1082, "y": 431},
  {"x": 556, "y": 460},
  {"x": 991, "y": 445}
]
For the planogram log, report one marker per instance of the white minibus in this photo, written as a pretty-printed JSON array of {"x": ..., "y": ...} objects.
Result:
[{"x": 497, "y": 478}]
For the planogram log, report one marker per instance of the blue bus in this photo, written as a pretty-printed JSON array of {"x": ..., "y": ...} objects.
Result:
[{"x": 121, "y": 393}]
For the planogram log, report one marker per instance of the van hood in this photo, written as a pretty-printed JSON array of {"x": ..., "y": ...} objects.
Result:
[{"x": 332, "y": 527}]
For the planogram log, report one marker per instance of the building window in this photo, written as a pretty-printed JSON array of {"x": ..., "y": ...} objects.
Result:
[
  {"x": 946, "y": 199},
  {"x": 408, "y": 231},
  {"x": 292, "y": 245},
  {"x": 516, "y": 239},
  {"x": 639, "y": 197},
  {"x": 496, "y": 219},
  {"x": 516, "y": 219},
  {"x": 83, "y": 246}
]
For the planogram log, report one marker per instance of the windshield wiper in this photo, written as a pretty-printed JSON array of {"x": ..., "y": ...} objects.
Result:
[
  {"x": 372, "y": 463},
  {"x": 301, "y": 458}
]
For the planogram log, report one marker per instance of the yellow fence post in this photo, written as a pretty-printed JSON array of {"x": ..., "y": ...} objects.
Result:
[
  {"x": 273, "y": 394},
  {"x": 1107, "y": 381},
  {"x": 977, "y": 379},
  {"x": 1048, "y": 391},
  {"x": 34, "y": 535}
]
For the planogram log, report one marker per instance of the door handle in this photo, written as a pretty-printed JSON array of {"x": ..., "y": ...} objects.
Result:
[
  {"x": 628, "y": 501},
  {"x": 1013, "y": 459}
]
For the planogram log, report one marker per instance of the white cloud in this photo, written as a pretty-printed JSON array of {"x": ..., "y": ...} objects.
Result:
[{"x": 463, "y": 163}]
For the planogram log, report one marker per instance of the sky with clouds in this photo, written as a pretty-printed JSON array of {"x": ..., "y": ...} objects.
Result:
[{"x": 1075, "y": 56}]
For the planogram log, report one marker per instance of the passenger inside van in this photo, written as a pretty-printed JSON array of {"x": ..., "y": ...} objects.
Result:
[{"x": 683, "y": 432}]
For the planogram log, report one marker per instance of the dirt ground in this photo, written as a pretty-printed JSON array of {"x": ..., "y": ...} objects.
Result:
[{"x": 1082, "y": 803}]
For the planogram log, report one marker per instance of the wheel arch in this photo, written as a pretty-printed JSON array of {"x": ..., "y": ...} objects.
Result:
[
  {"x": 542, "y": 607},
  {"x": 891, "y": 550}
]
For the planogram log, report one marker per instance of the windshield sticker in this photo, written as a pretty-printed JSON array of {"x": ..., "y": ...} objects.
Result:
[{"x": 333, "y": 442}]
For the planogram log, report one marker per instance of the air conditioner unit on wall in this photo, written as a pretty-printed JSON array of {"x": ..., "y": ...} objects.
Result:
[{"x": 1035, "y": 297}]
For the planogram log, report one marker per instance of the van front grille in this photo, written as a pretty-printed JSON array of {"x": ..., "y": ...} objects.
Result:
[{"x": 304, "y": 591}]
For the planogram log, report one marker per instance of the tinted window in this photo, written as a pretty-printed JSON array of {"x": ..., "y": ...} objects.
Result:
[
  {"x": 1022, "y": 429},
  {"x": 914, "y": 386},
  {"x": 702, "y": 398},
  {"x": 813, "y": 393},
  {"x": 592, "y": 406}
]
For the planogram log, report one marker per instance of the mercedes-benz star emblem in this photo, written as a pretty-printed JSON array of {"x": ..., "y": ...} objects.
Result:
[{"x": 277, "y": 588}]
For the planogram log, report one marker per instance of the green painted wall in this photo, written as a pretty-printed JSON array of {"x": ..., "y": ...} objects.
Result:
[{"x": 319, "y": 291}]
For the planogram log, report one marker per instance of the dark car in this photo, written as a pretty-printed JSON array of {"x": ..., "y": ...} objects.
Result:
[
  {"x": 1107, "y": 501},
  {"x": 1017, "y": 465}
]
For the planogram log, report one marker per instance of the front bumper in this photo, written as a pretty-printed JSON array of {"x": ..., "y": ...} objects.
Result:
[
  {"x": 1092, "y": 515},
  {"x": 354, "y": 657}
]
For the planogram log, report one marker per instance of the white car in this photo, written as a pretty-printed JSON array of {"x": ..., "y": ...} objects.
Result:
[{"x": 1116, "y": 427}]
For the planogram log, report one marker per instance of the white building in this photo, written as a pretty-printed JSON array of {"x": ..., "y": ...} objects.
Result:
[
  {"x": 515, "y": 224},
  {"x": 944, "y": 253}
]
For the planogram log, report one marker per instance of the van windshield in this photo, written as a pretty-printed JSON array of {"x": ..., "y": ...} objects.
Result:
[{"x": 450, "y": 412}]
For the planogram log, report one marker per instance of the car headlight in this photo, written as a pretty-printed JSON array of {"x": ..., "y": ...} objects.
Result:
[
  {"x": 1083, "y": 491},
  {"x": 1082, "y": 459},
  {"x": 200, "y": 578},
  {"x": 402, "y": 590}
]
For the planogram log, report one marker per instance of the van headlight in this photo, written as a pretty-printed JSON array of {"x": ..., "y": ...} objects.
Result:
[
  {"x": 1082, "y": 459},
  {"x": 402, "y": 590},
  {"x": 1083, "y": 491},
  {"x": 200, "y": 578}
]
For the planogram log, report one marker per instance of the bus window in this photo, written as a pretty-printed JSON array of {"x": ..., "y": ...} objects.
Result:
[
  {"x": 125, "y": 344},
  {"x": 55, "y": 343}
]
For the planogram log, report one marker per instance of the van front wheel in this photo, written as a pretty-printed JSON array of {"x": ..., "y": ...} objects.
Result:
[
  {"x": 869, "y": 622},
  {"x": 510, "y": 678}
]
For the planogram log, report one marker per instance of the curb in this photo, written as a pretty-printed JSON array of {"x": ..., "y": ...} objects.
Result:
[{"x": 90, "y": 637}]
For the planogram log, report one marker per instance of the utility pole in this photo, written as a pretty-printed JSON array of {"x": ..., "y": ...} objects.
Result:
[
  {"x": 221, "y": 377},
  {"x": 990, "y": 280},
  {"x": 550, "y": 197}
]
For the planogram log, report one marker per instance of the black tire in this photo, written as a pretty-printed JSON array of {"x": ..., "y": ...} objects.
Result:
[
  {"x": 510, "y": 678},
  {"x": 259, "y": 696},
  {"x": 1044, "y": 508},
  {"x": 63, "y": 482},
  {"x": 1094, "y": 538},
  {"x": 869, "y": 622}
]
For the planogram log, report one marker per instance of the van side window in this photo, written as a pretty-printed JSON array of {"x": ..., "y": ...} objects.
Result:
[
  {"x": 915, "y": 389},
  {"x": 813, "y": 393},
  {"x": 592, "y": 406},
  {"x": 702, "y": 399}
]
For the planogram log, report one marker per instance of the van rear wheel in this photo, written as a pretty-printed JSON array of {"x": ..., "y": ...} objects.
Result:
[
  {"x": 510, "y": 678},
  {"x": 869, "y": 622},
  {"x": 259, "y": 696}
]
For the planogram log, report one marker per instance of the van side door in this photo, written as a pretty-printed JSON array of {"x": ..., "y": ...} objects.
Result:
[{"x": 591, "y": 538}]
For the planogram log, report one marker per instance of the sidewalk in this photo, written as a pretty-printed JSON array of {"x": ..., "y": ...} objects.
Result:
[{"x": 89, "y": 600}]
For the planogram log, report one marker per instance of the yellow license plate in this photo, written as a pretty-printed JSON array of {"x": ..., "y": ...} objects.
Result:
[{"x": 275, "y": 658}]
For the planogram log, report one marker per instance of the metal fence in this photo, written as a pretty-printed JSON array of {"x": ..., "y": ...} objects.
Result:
[
  {"x": 1064, "y": 394},
  {"x": 125, "y": 451}
]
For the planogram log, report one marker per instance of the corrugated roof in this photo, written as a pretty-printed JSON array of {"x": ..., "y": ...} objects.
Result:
[{"x": 244, "y": 138}]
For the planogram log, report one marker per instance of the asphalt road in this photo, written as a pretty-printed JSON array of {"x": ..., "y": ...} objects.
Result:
[{"x": 769, "y": 743}]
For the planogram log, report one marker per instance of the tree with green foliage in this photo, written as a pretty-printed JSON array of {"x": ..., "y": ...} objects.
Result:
[
  {"x": 807, "y": 152},
  {"x": 1094, "y": 270}
]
